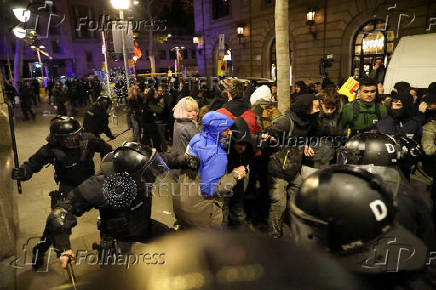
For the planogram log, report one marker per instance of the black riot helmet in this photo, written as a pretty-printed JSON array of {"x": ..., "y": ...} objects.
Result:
[
  {"x": 136, "y": 162},
  {"x": 370, "y": 148},
  {"x": 65, "y": 132},
  {"x": 130, "y": 167},
  {"x": 347, "y": 206},
  {"x": 350, "y": 212},
  {"x": 104, "y": 102},
  {"x": 139, "y": 160}
]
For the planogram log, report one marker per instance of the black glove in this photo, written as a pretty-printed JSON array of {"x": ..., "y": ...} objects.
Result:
[
  {"x": 20, "y": 174},
  {"x": 192, "y": 162}
]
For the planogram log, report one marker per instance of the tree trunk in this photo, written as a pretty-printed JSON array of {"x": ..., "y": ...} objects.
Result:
[
  {"x": 150, "y": 52},
  {"x": 150, "y": 39},
  {"x": 282, "y": 54}
]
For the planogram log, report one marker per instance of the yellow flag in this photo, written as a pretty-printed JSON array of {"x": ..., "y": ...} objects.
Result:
[{"x": 348, "y": 88}]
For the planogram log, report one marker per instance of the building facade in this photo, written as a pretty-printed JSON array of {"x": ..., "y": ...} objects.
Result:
[
  {"x": 352, "y": 33},
  {"x": 75, "y": 44}
]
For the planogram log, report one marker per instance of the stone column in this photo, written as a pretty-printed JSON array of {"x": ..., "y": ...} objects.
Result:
[{"x": 8, "y": 203}]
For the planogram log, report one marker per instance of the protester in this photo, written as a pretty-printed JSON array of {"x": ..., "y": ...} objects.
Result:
[
  {"x": 201, "y": 206},
  {"x": 185, "y": 125},
  {"x": 362, "y": 114},
  {"x": 135, "y": 104}
]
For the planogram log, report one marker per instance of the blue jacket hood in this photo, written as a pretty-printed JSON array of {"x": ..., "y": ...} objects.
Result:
[{"x": 207, "y": 146}]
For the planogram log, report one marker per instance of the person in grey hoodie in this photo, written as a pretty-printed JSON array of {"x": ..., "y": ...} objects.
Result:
[{"x": 185, "y": 125}]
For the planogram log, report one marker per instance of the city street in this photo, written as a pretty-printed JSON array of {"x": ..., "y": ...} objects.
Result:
[
  {"x": 295, "y": 142},
  {"x": 34, "y": 205}
]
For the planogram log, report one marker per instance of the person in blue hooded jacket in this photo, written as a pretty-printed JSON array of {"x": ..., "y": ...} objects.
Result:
[{"x": 199, "y": 203}]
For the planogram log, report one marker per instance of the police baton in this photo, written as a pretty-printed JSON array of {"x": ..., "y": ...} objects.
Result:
[
  {"x": 70, "y": 272},
  {"x": 118, "y": 135},
  {"x": 14, "y": 143}
]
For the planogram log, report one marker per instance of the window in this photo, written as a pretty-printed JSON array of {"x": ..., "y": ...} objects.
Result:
[
  {"x": 220, "y": 8},
  {"x": 82, "y": 15},
  {"x": 88, "y": 57},
  {"x": 54, "y": 29},
  {"x": 55, "y": 46},
  {"x": 162, "y": 54},
  {"x": 173, "y": 54},
  {"x": 371, "y": 42}
]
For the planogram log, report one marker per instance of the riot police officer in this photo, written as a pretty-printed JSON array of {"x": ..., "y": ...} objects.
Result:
[
  {"x": 71, "y": 152},
  {"x": 394, "y": 154},
  {"x": 351, "y": 213},
  {"x": 381, "y": 150},
  {"x": 122, "y": 193},
  {"x": 96, "y": 120}
]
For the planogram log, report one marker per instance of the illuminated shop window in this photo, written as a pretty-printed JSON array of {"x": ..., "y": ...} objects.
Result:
[{"x": 371, "y": 41}]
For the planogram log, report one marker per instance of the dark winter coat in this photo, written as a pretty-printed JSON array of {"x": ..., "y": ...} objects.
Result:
[
  {"x": 391, "y": 126},
  {"x": 184, "y": 130},
  {"x": 219, "y": 101},
  {"x": 153, "y": 111},
  {"x": 96, "y": 121},
  {"x": 240, "y": 108},
  {"x": 135, "y": 108}
]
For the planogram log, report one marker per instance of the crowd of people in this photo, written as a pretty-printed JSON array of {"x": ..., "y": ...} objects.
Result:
[
  {"x": 330, "y": 173},
  {"x": 64, "y": 96}
]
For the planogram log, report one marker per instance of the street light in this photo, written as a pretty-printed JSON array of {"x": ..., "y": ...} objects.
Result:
[
  {"x": 195, "y": 39},
  {"x": 120, "y": 4},
  {"x": 123, "y": 5},
  {"x": 310, "y": 16},
  {"x": 19, "y": 32},
  {"x": 240, "y": 31},
  {"x": 23, "y": 15}
]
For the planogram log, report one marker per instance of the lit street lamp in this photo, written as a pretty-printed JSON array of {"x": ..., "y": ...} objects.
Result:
[
  {"x": 23, "y": 15},
  {"x": 19, "y": 32},
  {"x": 122, "y": 5}
]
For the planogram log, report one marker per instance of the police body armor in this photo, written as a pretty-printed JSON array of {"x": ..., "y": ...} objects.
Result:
[
  {"x": 73, "y": 166},
  {"x": 129, "y": 222}
]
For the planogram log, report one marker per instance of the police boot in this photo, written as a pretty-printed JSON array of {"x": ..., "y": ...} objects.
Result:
[
  {"x": 37, "y": 258},
  {"x": 275, "y": 228}
]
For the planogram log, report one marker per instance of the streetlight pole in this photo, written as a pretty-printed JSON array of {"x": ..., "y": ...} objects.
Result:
[
  {"x": 40, "y": 64},
  {"x": 125, "y": 52},
  {"x": 106, "y": 64}
]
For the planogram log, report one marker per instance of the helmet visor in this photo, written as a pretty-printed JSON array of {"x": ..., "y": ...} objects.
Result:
[
  {"x": 307, "y": 231},
  {"x": 391, "y": 176},
  {"x": 157, "y": 168},
  {"x": 73, "y": 140},
  {"x": 345, "y": 156}
]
